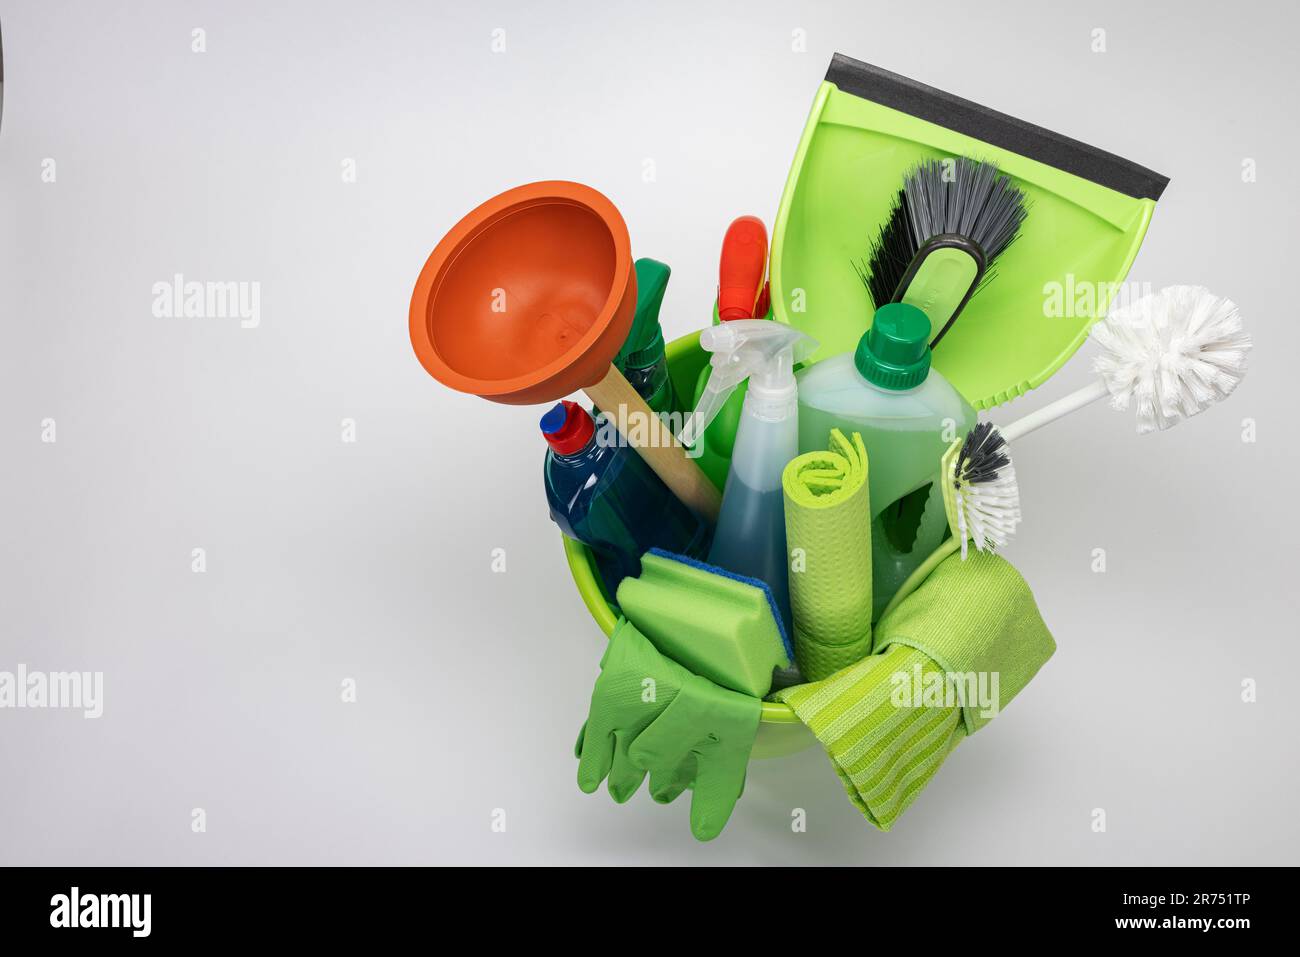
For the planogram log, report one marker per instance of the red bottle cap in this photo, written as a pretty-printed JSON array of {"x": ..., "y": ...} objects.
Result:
[
  {"x": 567, "y": 428},
  {"x": 741, "y": 268}
]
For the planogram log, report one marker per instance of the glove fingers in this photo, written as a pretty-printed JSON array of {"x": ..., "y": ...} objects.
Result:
[
  {"x": 667, "y": 784},
  {"x": 582, "y": 733},
  {"x": 717, "y": 789},
  {"x": 624, "y": 776},
  {"x": 595, "y": 759}
]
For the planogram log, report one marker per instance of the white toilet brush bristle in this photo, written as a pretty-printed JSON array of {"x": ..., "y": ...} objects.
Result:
[
  {"x": 985, "y": 492},
  {"x": 1172, "y": 354}
]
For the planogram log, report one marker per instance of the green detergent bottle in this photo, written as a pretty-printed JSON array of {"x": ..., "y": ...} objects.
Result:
[{"x": 908, "y": 415}]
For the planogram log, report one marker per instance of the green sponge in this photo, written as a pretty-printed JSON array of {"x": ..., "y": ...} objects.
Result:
[{"x": 721, "y": 626}]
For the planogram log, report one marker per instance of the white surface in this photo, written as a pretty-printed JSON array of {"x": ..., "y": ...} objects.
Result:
[{"x": 373, "y": 560}]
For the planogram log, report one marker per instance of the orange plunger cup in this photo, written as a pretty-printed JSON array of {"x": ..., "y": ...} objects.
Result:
[{"x": 529, "y": 298}]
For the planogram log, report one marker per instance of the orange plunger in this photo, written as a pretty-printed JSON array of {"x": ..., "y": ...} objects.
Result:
[{"x": 529, "y": 298}]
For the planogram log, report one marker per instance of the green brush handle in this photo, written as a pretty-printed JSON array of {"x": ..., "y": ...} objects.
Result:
[
  {"x": 941, "y": 279},
  {"x": 921, "y": 574}
]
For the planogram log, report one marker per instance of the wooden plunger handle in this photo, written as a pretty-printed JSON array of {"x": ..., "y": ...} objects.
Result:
[{"x": 655, "y": 443}]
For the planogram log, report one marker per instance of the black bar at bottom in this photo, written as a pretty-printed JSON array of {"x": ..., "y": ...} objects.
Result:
[{"x": 300, "y": 905}]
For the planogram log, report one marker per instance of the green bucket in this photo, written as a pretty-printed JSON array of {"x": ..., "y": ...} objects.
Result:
[{"x": 780, "y": 732}]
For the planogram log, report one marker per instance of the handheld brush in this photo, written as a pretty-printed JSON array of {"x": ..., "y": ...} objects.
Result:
[
  {"x": 980, "y": 493},
  {"x": 1171, "y": 356},
  {"x": 947, "y": 225}
]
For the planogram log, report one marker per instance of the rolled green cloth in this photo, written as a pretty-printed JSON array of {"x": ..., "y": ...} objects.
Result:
[
  {"x": 950, "y": 656},
  {"x": 828, "y": 534}
]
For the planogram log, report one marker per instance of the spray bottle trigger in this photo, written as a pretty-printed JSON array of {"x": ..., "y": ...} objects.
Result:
[
  {"x": 711, "y": 402},
  {"x": 743, "y": 348}
]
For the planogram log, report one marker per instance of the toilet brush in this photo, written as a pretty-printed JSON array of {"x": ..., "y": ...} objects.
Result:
[{"x": 1170, "y": 355}]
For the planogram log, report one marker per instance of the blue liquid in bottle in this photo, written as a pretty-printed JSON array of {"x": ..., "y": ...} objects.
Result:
[{"x": 605, "y": 496}]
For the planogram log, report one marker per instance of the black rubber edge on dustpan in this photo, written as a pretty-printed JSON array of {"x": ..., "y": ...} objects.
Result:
[{"x": 998, "y": 129}]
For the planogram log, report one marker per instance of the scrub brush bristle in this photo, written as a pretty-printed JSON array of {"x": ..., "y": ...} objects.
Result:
[
  {"x": 1172, "y": 354},
  {"x": 985, "y": 497},
  {"x": 963, "y": 197}
]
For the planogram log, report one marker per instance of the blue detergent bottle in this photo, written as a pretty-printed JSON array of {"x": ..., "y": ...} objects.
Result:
[{"x": 603, "y": 494}]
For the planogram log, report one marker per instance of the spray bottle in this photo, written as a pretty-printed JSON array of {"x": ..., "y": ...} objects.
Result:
[
  {"x": 641, "y": 360},
  {"x": 750, "y": 536},
  {"x": 742, "y": 294}
]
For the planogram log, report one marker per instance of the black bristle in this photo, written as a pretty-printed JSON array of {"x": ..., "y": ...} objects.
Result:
[
  {"x": 891, "y": 253},
  {"x": 973, "y": 200},
  {"x": 982, "y": 456}
]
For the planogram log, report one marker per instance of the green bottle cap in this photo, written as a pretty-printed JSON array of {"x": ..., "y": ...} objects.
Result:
[{"x": 895, "y": 352}]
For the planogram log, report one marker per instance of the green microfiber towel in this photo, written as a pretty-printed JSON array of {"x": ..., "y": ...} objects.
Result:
[
  {"x": 973, "y": 617},
  {"x": 722, "y": 626},
  {"x": 889, "y": 721},
  {"x": 828, "y": 533}
]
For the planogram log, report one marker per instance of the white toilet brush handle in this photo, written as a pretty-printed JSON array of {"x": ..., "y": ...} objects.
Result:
[{"x": 1054, "y": 410}]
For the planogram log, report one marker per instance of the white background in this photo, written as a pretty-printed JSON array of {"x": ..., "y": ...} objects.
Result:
[{"x": 371, "y": 560}]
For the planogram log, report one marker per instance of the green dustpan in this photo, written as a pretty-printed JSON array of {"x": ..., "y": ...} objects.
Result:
[{"x": 1088, "y": 212}]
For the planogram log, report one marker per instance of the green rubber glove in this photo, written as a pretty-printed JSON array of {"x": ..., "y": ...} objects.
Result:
[
  {"x": 701, "y": 740},
  {"x": 635, "y": 686}
]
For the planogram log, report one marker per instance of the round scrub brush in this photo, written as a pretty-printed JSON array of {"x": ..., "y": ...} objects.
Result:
[
  {"x": 1170, "y": 355},
  {"x": 980, "y": 493},
  {"x": 949, "y": 222}
]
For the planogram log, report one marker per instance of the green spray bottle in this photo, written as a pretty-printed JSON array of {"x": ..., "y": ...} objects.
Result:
[{"x": 641, "y": 360}]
